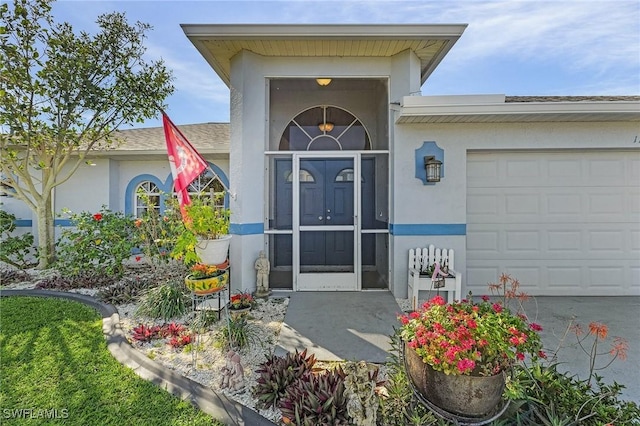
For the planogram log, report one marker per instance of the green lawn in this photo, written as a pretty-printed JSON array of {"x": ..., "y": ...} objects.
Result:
[{"x": 55, "y": 363}]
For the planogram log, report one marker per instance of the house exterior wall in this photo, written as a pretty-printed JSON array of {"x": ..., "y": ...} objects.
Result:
[
  {"x": 444, "y": 203},
  {"x": 251, "y": 121},
  {"x": 110, "y": 182}
]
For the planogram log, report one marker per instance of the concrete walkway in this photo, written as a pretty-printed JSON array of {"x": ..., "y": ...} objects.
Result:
[
  {"x": 336, "y": 326},
  {"x": 217, "y": 405}
]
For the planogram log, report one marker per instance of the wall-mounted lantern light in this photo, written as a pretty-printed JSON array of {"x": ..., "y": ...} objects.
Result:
[{"x": 433, "y": 168}]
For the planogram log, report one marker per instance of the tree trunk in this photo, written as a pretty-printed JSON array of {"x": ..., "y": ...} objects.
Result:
[{"x": 46, "y": 236}]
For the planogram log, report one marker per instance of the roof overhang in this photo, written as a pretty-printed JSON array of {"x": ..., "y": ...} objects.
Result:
[
  {"x": 494, "y": 109},
  {"x": 218, "y": 43}
]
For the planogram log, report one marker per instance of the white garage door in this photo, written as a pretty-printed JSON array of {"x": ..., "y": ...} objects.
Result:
[{"x": 563, "y": 223}]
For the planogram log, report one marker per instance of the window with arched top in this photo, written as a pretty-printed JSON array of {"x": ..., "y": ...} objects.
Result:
[
  {"x": 325, "y": 128},
  {"x": 207, "y": 186},
  {"x": 305, "y": 176},
  {"x": 147, "y": 198}
]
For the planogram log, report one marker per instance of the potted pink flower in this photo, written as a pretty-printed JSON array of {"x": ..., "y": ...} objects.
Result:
[{"x": 465, "y": 341}]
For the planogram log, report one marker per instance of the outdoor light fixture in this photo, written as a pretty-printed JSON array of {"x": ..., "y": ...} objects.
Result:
[
  {"x": 323, "y": 81},
  {"x": 433, "y": 168},
  {"x": 325, "y": 127}
]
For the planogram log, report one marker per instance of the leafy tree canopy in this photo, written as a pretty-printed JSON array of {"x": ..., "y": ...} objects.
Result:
[{"x": 63, "y": 94}]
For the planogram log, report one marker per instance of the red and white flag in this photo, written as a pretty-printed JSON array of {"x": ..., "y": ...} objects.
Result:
[{"x": 186, "y": 163}]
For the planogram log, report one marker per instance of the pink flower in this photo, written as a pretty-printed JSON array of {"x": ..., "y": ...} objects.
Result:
[
  {"x": 485, "y": 298},
  {"x": 535, "y": 327},
  {"x": 497, "y": 307},
  {"x": 465, "y": 365},
  {"x": 520, "y": 356},
  {"x": 438, "y": 300}
]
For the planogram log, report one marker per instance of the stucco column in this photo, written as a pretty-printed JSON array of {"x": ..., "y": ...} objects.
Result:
[{"x": 246, "y": 168}]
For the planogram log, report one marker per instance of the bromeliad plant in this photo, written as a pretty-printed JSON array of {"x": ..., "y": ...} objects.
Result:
[
  {"x": 241, "y": 301},
  {"x": 470, "y": 338}
]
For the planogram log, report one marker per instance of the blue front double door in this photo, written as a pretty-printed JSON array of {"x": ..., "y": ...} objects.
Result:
[{"x": 329, "y": 215}]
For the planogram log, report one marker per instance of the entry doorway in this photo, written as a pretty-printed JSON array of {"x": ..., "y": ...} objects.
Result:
[{"x": 320, "y": 199}]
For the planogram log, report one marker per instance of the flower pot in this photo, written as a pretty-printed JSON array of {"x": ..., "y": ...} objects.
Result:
[
  {"x": 470, "y": 396},
  {"x": 213, "y": 252},
  {"x": 208, "y": 285}
]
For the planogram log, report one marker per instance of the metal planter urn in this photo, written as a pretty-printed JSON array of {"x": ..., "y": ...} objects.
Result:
[{"x": 463, "y": 395}]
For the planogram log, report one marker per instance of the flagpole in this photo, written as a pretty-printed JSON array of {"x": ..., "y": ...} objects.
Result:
[{"x": 191, "y": 146}]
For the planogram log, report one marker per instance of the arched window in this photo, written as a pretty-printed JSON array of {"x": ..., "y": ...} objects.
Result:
[
  {"x": 207, "y": 186},
  {"x": 147, "y": 197},
  {"x": 305, "y": 176},
  {"x": 325, "y": 128}
]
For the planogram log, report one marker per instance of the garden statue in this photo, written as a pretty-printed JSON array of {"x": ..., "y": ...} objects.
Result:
[
  {"x": 232, "y": 373},
  {"x": 262, "y": 267}
]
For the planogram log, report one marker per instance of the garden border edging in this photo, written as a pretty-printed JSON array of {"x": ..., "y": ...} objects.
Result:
[{"x": 217, "y": 405}]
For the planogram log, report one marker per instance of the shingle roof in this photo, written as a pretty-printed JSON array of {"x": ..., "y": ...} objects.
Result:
[
  {"x": 570, "y": 98},
  {"x": 207, "y": 138}
]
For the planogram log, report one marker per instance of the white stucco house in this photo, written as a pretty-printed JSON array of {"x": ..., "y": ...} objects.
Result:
[{"x": 325, "y": 154}]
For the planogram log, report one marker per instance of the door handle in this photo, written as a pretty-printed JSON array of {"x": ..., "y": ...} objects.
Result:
[
  {"x": 328, "y": 217},
  {"x": 319, "y": 217}
]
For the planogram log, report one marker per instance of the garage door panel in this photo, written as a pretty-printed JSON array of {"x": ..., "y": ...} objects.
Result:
[
  {"x": 563, "y": 223},
  {"x": 484, "y": 241}
]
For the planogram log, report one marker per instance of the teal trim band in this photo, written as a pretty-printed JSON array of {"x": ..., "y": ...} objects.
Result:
[
  {"x": 246, "y": 228},
  {"x": 428, "y": 229},
  {"x": 28, "y": 223}
]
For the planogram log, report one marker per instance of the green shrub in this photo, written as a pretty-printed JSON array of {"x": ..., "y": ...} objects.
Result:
[
  {"x": 18, "y": 250},
  {"x": 236, "y": 334},
  {"x": 543, "y": 395},
  {"x": 167, "y": 301},
  {"x": 157, "y": 234},
  {"x": 99, "y": 242},
  {"x": 398, "y": 405}
]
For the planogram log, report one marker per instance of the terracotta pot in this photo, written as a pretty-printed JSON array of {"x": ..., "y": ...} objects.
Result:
[
  {"x": 203, "y": 286},
  {"x": 470, "y": 396}
]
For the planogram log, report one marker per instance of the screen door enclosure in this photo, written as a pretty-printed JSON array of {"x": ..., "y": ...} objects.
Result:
[{"x": 320, "y": 194}]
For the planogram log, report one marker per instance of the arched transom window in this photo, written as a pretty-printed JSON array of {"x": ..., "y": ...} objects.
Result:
[{"x": 325, "y": 128}]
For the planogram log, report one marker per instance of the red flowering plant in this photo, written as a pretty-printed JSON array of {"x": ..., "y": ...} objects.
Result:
[
  {"x": 241, "y": 301},
  {"x": 467, "y": 338}
]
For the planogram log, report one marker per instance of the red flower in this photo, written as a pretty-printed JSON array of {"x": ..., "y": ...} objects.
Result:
[
  {"x": 138, "y": 258},
  {"x": 520, "y": 356},
  {"x": 137, "y": 223},
  {"x": 497, "y": 307},
  {"x": 485, "y": 298},
  {"x": 97, "y": 216},
  {"x": 535, "y": 327},
  {"x": 438, "y": 300}
]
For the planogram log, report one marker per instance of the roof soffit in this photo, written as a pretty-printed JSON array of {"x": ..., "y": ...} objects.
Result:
[{"x": 219, "y": 43}]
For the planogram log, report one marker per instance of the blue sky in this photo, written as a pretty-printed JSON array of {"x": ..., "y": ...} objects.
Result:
[{"x": 511, "y": 47}]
